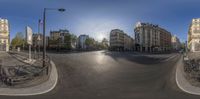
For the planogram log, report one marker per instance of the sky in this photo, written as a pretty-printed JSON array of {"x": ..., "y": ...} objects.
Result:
[{"x": 97, "y": 18}]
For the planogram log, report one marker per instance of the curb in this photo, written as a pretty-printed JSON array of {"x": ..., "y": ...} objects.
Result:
[
  {"x": 182, "y": 82},
  {"x": 35, "y": 90}
]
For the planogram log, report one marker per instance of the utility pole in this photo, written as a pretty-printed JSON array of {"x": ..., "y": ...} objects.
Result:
[{"x": 44, "y": 40}]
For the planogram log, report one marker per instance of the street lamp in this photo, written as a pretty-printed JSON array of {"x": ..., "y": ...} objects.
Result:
[
  {"x": 44, "y": 27},
  {"x": 38, "y": 37}
]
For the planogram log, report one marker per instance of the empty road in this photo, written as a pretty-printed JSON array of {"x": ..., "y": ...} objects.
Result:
[{"x": 114, "y": 75}]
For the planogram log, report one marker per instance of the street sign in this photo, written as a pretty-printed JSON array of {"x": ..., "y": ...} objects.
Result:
[{"x": 29, "y": 34}]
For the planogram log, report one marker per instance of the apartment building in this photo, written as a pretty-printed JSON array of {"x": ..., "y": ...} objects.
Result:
[
  {"x": 176, "y": 44},
  {"x": 81, "y": 41},
  {"x": 120, "y": 41},
  {"x": 151, "y": 38},
  {"x": 193, "y": 43},
  {"x": 37, "y": 39},
  {"x": 4, "y": 35},
  {"x": 128, "y": 43},
  {"x": 57, "y": 38},
  {"x": 55, "y": 35}
]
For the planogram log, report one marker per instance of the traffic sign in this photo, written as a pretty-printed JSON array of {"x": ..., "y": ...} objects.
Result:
[{"x": 29, "y": 34}]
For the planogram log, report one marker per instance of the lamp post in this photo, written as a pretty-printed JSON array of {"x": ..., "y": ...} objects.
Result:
[
  {"x": 44, "y": 28},
  {"x": 38, "y": 39}
]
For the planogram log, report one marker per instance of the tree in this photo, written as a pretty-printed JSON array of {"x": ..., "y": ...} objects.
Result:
[
  {"x": 18, "y": 41},
  {"x": 104, "y": 43},
  {"x": 73, "y": 40},
  {"x": 70, "y": 41},
  {"x": 90, "y": 43}
]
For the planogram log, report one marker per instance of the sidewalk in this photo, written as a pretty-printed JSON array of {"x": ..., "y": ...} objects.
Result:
[
  {"x": 194, "y": 55},
  {"x": 9, "y": 60},
  {"x": 182, "y": 82},
  {"x": 42, "y": 87}
]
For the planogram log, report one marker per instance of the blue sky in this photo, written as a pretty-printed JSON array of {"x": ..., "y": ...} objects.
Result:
[{"x": 97, "y": 17}]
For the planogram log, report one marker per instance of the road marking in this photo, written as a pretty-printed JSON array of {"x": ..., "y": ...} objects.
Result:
[{"x": 171, "y": 57}]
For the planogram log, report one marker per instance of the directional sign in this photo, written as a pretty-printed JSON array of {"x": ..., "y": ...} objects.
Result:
[{"x": 29, "y": 34}]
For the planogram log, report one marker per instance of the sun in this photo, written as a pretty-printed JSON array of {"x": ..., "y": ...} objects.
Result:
[{"x": 100, "y": 36}]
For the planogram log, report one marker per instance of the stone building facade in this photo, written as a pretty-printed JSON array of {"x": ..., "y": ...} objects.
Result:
[
  {"x": 194, "y": 36},
  {"x": 151, "y": 38},
  {"x": 120, "y": 41},
  {"x": 4, "y": 35}
]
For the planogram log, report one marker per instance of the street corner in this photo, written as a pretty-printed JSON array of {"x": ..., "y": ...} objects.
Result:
[
  {"x": 42, "y": 88},
  {"x": 182, "y": 82}
]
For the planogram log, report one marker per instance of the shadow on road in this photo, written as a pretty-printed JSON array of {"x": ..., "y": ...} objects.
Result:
[
  {"x": 133, "y": 57},
  {"x": 70, "y": 52}
]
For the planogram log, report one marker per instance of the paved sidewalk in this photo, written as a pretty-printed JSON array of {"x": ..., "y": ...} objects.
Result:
[
  {"x": 182, "y": 82},
  {"x": 194, "y": 55},
  {"x": 9, "y": 60},
  {"x": 43, "y": 87}
]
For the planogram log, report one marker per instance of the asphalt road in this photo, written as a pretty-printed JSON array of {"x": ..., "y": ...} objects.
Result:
[{"x": 114, "y": 75}]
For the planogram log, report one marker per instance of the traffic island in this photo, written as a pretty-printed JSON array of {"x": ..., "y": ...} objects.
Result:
[
  {"x": 28, "y": 79},
  {"x": 187, "y": 74}
]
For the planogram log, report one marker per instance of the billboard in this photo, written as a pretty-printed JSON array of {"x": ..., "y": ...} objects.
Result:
[{"x": 29, "y": 34}]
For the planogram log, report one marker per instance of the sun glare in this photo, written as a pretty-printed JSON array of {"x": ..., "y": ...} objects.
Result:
[{"x": 100, "y": 36}]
